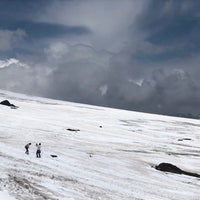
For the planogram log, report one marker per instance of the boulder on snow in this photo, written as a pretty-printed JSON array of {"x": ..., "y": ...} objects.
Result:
[
  {"x": 54, "y": 156},
  {"x": 167, "y": 167},
  {"x": 7, "y": 103},
  {"x": 71, "y": 129},
  {"x": 184, "y": 139}
]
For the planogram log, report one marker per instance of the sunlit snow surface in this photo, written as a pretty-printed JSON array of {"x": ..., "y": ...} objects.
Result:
[{"x": 112, "y": 162}]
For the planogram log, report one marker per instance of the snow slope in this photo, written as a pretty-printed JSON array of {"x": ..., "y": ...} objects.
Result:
[{"x": 114, "y": 161}]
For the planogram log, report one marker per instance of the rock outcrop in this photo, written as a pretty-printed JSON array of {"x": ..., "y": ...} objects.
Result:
[
  {"x": 7, "y": 103},
  {"x": 167, "y": 167}
]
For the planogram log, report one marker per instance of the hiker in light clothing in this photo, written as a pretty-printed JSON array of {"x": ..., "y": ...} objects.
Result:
[{"x": 38, "y": 151}]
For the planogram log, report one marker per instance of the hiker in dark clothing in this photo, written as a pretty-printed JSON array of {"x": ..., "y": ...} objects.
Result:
[
  {"x": 38, "y": 151},
  {"x": 27, "y": 148}
]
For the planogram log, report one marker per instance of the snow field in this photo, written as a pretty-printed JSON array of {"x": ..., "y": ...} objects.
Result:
[{"x": 113, "y": 162}]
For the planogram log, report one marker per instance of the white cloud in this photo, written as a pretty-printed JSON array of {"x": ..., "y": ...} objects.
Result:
[
  {"x": 12, "y": 61},
  {"x": 8, "y": 62}
]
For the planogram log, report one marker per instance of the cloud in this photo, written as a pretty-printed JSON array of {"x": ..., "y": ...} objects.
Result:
[
  {"x": 165, "y": 92},
  {"x": 8, "y": 62},
  {"x": 109, "y": 21},
  {"x": 9, "y": 39},
  {"x": 176, "y": 91},
  {"x": 69, "y": 72},
  {"x": 78, "y": 72},
  {"x": 172, "y": 25},
  {"x": 41, "y": 29}
]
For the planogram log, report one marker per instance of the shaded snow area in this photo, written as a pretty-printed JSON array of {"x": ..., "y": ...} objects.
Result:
[{"x": 102, "y": 153}]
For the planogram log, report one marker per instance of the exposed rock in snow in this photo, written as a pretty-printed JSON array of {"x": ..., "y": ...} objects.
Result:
[
  {"x": 72, "y": 129},
  {"x": 168, "y": 167},
  {"x": 7, "y": 103}
]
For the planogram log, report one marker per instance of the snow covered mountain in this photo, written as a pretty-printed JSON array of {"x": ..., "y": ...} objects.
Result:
[{"x": 102, "y": 153}]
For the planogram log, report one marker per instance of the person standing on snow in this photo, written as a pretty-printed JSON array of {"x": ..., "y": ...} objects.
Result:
[
  {"x": 27, "y": 148},
  {"x": 38, "y": 151}
]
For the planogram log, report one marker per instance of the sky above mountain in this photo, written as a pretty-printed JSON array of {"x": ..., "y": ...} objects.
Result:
[{"x": 134, "y": 54}]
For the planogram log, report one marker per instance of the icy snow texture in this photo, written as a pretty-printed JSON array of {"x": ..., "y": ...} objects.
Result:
[
  {"x": 112, "y": 162},
  {"x": 5, "y": 196}
]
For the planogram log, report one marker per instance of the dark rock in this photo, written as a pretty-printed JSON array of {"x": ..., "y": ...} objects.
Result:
[
  {"x": 184, "y": 139},
  {"x": 7, "y": 103},
  {"x": 54, "y": 156},
  {"x": 100, "y": 126},
  {"x": 71, "y": 129},
  {"x": 90, "y": 155},
  {"x": 167, "y": 167}
]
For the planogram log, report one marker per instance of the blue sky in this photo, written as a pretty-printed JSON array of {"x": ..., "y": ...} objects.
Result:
[{"x": 134, "y": 54}]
